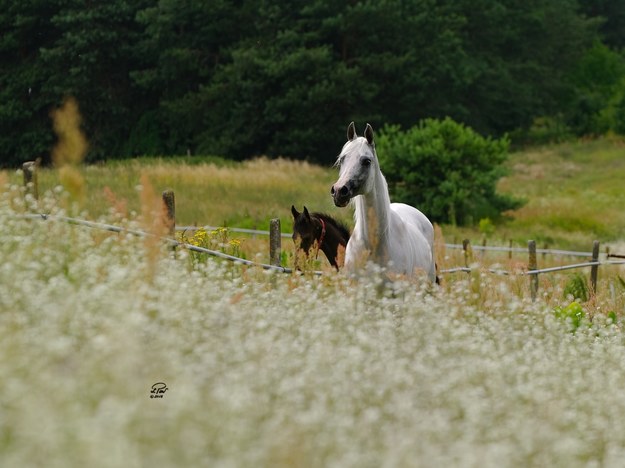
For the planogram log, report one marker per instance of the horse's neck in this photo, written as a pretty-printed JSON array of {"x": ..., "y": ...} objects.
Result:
[
  {"x": 329, "y": 240},
  {"x": 372, "y": 211}
]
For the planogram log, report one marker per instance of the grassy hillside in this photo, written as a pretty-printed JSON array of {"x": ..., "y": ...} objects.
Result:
[
  {"x": 247, "y": 195},
  {"x": 574, "y": 193}
]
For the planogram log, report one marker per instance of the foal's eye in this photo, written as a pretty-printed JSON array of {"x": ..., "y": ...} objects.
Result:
[{"x": 366, "y": 162}]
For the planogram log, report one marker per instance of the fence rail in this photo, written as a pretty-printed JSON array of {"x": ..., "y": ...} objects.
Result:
[
  {"x": 254, "y": 232},
  {"x": 495, "y": 248}
]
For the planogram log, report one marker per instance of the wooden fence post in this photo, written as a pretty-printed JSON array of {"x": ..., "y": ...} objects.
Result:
[
  {"x": 532, "y": 265},
  {"x": 275, "y": 242},
  {"x": 468, "y": 252},
  {"x": 510, "y": 250},
  {"x": 169, "y": 203},
  {"x": 594, "y": 269},
  {"x": 31, "y": 182}
]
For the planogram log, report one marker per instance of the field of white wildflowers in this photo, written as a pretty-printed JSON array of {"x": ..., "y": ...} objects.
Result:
[{"x": 282, "y": 370}]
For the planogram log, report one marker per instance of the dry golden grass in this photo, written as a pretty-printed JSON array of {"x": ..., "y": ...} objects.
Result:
[
  {"x": 243, "y": 195},
  {"x": 70, "y": 149}
]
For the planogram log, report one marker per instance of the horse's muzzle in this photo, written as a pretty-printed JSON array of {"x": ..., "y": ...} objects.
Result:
[{"x": 341, "y": 195}]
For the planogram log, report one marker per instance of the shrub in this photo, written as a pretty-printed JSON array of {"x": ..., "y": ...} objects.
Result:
[
  {"x": 573, "y": 314},
  {"x": 446, "y": 169},
  {"x": 577, "y": 287}
]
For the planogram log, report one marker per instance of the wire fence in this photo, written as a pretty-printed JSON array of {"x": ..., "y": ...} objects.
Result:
[
  {"x": 167, "y": 240},
  {"x": 252, "y": 232},
  {"x": 275, "y": 235},
  {"x": 484, "y": 248},
  {"x": 531, "y": 271}
]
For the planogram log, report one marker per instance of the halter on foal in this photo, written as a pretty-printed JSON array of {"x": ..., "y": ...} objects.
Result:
[{"x": 320, "y": 230}]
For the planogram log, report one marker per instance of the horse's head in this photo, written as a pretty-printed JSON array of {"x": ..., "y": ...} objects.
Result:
[
  {"x": 303, "y": 229},
  {"x": 358, "y": 163}
]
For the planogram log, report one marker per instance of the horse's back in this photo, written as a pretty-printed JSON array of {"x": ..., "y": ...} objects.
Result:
[
  {"x": 411, "y": 215},
  {"x": 414, "y": 239}
]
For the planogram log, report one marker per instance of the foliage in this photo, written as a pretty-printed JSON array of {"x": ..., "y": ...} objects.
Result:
[
  {"x": 577, "y": 288},
  {"x": 25, "y": 128},
  {"x": 90, "y": 59},
  {"x": 573, "y": 314},
  {"x": 256, "y": 77},
  {"x": 598, "y": 104},
  {"x": 543, "y": 131},
  {"x": 446, "y": 169},
  {"x": 486, "y": 226},
  {"x": 612, "y": 17}
]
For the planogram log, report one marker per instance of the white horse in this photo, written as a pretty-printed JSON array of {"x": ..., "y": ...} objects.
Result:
[{"x": 393, "y": 235}]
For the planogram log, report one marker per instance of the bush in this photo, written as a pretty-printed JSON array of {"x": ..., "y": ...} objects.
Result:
[
  {"x": 573, "y": 314},
  {"x": 445, "y": 169},
  {"x": 577, "y": 288}
]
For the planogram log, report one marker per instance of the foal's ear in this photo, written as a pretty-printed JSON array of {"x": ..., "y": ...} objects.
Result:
[
  {"x": 351, "y": 132},
  {"x": 369, "y": 134},
  {"x": 294, "y": 212},
  {"x": 306, "y": 213}
]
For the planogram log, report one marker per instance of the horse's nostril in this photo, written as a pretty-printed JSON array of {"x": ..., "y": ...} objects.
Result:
[
  {"x": 344, "y": 191},
  {"x": 332, "y": 190}
]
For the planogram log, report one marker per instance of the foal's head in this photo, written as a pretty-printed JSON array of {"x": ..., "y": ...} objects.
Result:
[
  {"x": 304, "y": 234},
  {"x": 358, "y": 164}
]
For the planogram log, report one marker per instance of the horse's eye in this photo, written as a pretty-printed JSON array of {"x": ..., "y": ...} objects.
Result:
[{"x": 366, "y": 162}]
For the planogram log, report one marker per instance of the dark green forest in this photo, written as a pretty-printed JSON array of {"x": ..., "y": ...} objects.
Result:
[{"x": 251, "y": 77}]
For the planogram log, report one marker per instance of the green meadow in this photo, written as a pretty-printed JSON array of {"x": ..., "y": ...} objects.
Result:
[{"x": 573, "y": 193}]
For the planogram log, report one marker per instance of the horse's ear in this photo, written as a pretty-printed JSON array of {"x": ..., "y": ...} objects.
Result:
[
  {"x": 294, "y": 212},
  {"x": 306, "y": 213},
  {"x": 351, "y": 131},
  {"x": 369, "y": 134}
]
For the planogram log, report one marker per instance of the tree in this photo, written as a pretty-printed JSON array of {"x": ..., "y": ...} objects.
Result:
[
  {"x": 183, "y": 44},
  {"x": 278, "y": 90},
  {"x": 519, "y": 55},
  {"x": 249, "y": 77},
  {"x": 25, "y": 128},
  {"x": 599, "y": 92},
  {"x": 612, "y": 16},
  {"x": 91, "y": 60},
  {"x": 308, "y": 67},
  {"x": 445, "y": 169}
]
